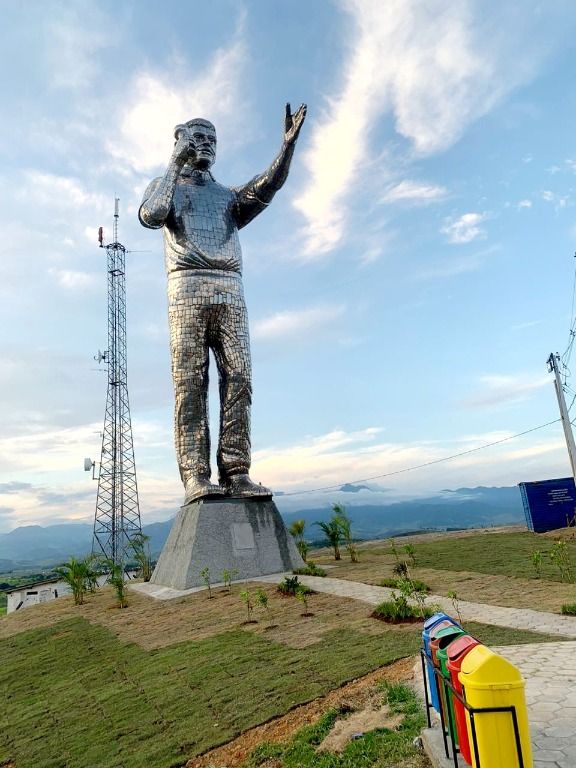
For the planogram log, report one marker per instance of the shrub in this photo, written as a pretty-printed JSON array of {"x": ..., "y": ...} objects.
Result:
[
  {"x": 311, "y": 570},
  {"x": 560, "y": 556},
  {"x": 569, "y": 609},
  {"x": 291, "y": 585},
  {"x": 398, "y": 610},
  {"x": 400, "y": 569},
  {"x": 536, "y": 558},
  {"x": 302, "y": 594},
  {"x": 205, "y": 573},
  {"x": 392, "y": 583},
  {"x": 456, "y": 604},
  {"x": 246, "y": 598},
  {"x": 140, "y": 545},
  {"x": 411, "y": 552},
  {"x": 227, "y": 576}
]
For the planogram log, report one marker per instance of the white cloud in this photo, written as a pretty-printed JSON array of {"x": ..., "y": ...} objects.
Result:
[
  {"x": 464, "y": 229},
  {"x": 59, "y": 192},
  {"x": 294, "y": 323},
  {"x": 434, "y": 67},
  {"x": 414, "y": 191},
  {"x": 524, "y": 204},
  {"x": 499, "y": 389},
  {"x": 74, "y": 55},
  {"x": 162, "y": 100},
  {"x": 341, "y": 457},
  {"x": 73, "y": 279},
  {"x": 558, "y": 201}
]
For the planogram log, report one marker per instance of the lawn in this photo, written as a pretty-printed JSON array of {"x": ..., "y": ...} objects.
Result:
[
  {"x": 481, "y": 567},
  {"x": 78, "y": 694},
  {"x": 314, "y": 747}
]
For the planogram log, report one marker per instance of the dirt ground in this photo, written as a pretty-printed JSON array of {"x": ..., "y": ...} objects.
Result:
[
  {"x": 358, "y": 695},
  {"x": 159, "y": 623}
]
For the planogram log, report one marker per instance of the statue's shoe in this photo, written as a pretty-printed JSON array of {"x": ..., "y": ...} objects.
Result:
[
  {"x": 240, "y": 486},
  {"x": 201, "y": 488}
]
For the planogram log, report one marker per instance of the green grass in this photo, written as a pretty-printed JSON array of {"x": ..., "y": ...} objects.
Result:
[
  {"x": 392, "y": 583},
  {"x": 382, "y": 747},
  {"x": 74, "y": 695},
  {"x": 508, "y": 554},
  {"x": 396, "y": 611}
]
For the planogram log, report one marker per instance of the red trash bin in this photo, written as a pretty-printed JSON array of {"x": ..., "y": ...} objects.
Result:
[{"x": 456, "y": 653}]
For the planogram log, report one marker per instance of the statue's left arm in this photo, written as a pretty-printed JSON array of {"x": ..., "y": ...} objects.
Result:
[{"x": 255, "y": 196}]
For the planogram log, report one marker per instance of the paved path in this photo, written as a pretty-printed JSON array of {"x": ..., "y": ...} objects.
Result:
[
  {"x": 518, "y": 618},
  {"x": 548, "y": 668}
]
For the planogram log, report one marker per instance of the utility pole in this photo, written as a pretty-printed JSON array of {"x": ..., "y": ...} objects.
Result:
[
  {"x": 117, "y": 518},
  {"x": 566, "y": 423}
]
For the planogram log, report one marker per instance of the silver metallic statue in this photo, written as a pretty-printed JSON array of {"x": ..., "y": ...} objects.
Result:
[{"x": 201, "y": 219}]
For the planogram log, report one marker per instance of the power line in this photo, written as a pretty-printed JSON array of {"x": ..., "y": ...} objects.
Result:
[
  {"x": 426, "y": 464},
  {"x": 572, "y": 334}
]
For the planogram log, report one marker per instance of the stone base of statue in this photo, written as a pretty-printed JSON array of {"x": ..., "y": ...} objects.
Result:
[{"x": 243, "y": 535}]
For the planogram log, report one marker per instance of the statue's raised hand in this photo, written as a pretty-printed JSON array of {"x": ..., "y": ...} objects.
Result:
[
  {"x": 293, "y": 123},
  {"x": 185, "y": 148}
]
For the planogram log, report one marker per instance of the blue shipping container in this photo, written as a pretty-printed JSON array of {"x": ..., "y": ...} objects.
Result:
[{"x": 549, "y": 504}]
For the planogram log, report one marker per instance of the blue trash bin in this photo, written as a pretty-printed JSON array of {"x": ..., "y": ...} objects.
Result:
[{"x": 431, "y": 626}]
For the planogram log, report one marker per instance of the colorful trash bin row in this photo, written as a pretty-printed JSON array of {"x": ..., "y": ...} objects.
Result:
[{"x": 492, "y": 688}]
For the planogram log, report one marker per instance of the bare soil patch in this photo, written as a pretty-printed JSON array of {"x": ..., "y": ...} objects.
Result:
[
  {"x": 358, "y": 695},
  {"x": 367, "y": 719}
]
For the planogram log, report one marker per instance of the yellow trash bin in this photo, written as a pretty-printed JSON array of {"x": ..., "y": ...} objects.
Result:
[{"x": 491, "y": 681}]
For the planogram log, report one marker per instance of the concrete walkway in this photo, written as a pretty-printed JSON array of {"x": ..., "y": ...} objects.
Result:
[
  {"x": 548, "y": 668},
  {"x": 517, "y": 618}
]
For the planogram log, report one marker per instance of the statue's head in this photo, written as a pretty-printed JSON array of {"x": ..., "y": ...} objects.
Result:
[{"x": 203, "y": 134}]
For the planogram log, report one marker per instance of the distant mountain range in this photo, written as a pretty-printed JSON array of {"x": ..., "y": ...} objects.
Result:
[{"x": 34, "y": 546}]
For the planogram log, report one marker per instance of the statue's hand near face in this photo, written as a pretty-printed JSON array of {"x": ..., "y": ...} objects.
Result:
[
  {"x": 293, "y": 123},
  {"x": 185, "y": 147}
]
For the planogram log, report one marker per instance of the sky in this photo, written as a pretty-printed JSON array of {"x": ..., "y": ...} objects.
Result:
[{"x": 405, "y": 288}]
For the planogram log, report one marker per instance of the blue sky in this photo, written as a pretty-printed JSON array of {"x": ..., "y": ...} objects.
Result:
[{"x": 404, "y": 289}]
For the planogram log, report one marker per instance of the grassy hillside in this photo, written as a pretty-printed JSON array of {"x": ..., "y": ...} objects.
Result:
[
  {"x": 486, "y": 567},
  {"x": 157, "y": 683}
]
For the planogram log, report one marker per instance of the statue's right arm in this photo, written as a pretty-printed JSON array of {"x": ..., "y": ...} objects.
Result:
[{"x": 157, "y": 200}]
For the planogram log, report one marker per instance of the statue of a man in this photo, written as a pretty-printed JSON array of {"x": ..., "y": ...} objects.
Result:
[{"x": 201, "y": 219}]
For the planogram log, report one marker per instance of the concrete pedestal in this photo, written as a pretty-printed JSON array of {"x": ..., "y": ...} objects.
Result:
[{"x": 245, "y": 535}]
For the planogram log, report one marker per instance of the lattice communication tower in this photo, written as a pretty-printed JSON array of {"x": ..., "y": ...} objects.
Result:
[{"x": 117, "y": 518}]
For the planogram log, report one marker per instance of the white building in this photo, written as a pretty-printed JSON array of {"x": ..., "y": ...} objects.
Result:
[
  {"x": 26, "y": 595},
  {"x": 37, "y": 592}
]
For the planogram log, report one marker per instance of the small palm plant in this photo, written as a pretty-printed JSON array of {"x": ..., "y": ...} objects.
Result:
[
  {"x": 297, "y": 531},
  {"x": 333, "y": 532},
  {"x": 116, "y": 580},
  {"x": 79, "y": 575},
  {"x": 342, "y": 518},
  {"x": 140, "y": 545}
]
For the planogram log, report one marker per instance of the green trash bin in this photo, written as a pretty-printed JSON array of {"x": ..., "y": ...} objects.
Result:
[{"x": 441, "y": 642}]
